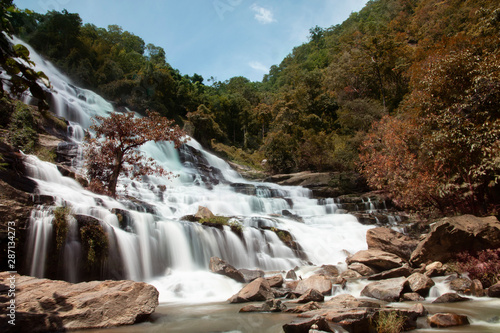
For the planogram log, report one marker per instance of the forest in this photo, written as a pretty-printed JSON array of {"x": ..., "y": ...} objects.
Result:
[{"x": 406, "y": 92}]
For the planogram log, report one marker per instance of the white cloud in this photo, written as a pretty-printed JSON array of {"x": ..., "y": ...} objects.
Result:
[
  {"x": 258, "y": 66},
  {"x": 263, "y": 15}
]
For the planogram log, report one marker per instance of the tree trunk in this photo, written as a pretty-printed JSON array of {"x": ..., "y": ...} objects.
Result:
[{"x": 114, "y": 175}]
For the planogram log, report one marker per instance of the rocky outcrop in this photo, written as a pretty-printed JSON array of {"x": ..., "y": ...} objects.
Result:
[
  {"x": 388, "y": 290},
  {"x": 391, "y": 241},
  {"x": 219, "y": 266},
  {"x": 45, "y": 305},
  {"x": 453, "y": 235},
  {"x": 376, "y": 259},
  {"x": 257, "y": 290}
]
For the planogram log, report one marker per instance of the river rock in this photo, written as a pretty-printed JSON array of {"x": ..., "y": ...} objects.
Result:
[
  {"x": 47, "y": 305},
  {"x": 311, "y": 295},
  {"x": 387, "y": 290},
  {"x": 376, "y": 259},
  {"x": 412, "y": 297},
  {"x": 494, "y": 290},
  {"x": 257, "y": 290},
  {"x": 391, "y": 241},
  {"x": 420, "y": 283},
  {"x": 204, "y": 213},
  {"x": 271, "y": 305},
  {"x": 461, "y": 285},
  {"x": 350, "y": 275},
  {"x": 435, "y": 269},
  {"x": 251, "y": 274},
  {"x": 328, "y": 270},
  {"x": 443, "y": 320},
  {"x": 275, "y": 281},
  {"x": 404, "y": 270},
  {"x": 362, "y": 269},
  {"x": 457, "y": 234},
  {"x": 450, "y": 298},
  {"x": 304, "y": 325},
  {"x": 219, "y": 266},
  {"x": 311, "y": 306},
  {"x": 291, "y": 275},
  {"x": 318, "y": 282}
]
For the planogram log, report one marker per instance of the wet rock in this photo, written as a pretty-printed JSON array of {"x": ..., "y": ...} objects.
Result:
[
  {"x": 204, "y": 213},
  {"x": 221, "y": 267},
  {"x": 318, "y": 282},
  {"x": 443, "y": 320},
  {"x": 66, "y": 152},
  {"x": 290, "y": 215},
  {"x": 275, "y": 281},
  {"x": 329, "y": 271},
  {"x": 46, "y": 305},
  {"x": 362, "y": 269},
  {"x": 461, "y": 285},
  {"x": 291, "y": 275},
  {"x": 450, "y": 298},
  {"x": 251, "y": 274},
  {"x": 311, "y": 295},
  {"x": 304, "y": 325},
  {"x": 404, "y": 270},
  {"x": 435, "y": 269},
  {"x": 494, "y": 290},
  {"x": 257, "y": 290},
  {"x": 457, "y": 234},
  {"x": 387, "y": 290},
  {"x": 376, "y": 259},
  {"x": 271, "y": 305},
  {"x": 304, "y": 308},
  {"x": 391, "y": 241},
  {"x": 350, "y": 275},
  {"x": 244, "y": 188},
  {"x": 412, "y": 297},
  {"x": 420, "y": 283}
]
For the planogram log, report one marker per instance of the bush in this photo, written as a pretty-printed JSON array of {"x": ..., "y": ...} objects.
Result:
[
  {"x": 94, "y": 243},
  {"x": 389, "y": 322},
  {"x": 60, "y": 223},
  {"x": 483, "y": 265},
  {"x": 22, "y": 129}
]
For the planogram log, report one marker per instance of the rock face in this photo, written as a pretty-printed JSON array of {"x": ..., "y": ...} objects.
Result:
[
  {"x": 46, "y": 305},
  {"x": 219, "y": 266},
  {"x": 387, "y": 290},
  {"x": 257, "y": 290},
  {"x": 457, "y": 234},
  {"x": 317, "y": 282},
  {"x": 391, "y": 241},
  {"x": 376, "y": 259}
]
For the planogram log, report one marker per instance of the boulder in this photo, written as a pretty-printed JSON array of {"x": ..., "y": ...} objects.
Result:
[
  {"x": 311, "y": 295},
  {"x": 494, "y": 290},
  {"x": 476, "y": 289},
  {"x": 350, "y": 275},
  {"x": 251, "y": 274},
  {"x": 291, "y": 275},
  {"x": 461, "y": 285},
  {"x": 387, "y": 290},
  {"x": 450, "y": 298},
  {"x": 219, "y": 266},
  {"x": 435, "y": 268},
  {"x": 304, "y": 325},
  {"x": 443, "y": 320},
  {"x": 376, "y": 259},
  {"x": 457, "y": 234},
  {"x": 404, "y": 270},
  {"x": 271, "y": 305},
  {"x": 420, "y": 283},
  {"x": 329, "y": 271},
  {"x": 412, "y": 297},
  {"x": 318, "y": 282},
  {"x": 46, "y": 305},
  {"x": 391, "y": 241},
  {"x": 304, "y": 308},
  {"x": 257, "y": 290},
  {"x": 362, "y": 269},
  {"x": 275, "y": 281}
]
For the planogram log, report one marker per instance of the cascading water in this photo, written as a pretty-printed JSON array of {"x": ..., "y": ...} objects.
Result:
[{"x": 147, "y": 233}]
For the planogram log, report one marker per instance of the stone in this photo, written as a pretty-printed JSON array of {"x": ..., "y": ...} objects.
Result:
[
  {"x": 387, "y": 290},
  {"x": 275, "y": 281},
  {"x": 443, "y": 320},
  {"x": 304, "y": 308},
  {"x": 391, "y": 241},
  {"x": 412, "y": 297},
  {"x": 47, "y": 305},
  {"x": 476, "y": 289},
  {"x": 291, "y": 275},
  {"x": 420, "y": 283},
  {"x": 257, "y": 290},
  {"x": 304, "y": 325},
  {"x": 204, "y": 213},
  {"x": 435, "y": 268},
  {"x": 271, "y": 305},
  {"x": 350, "y": 275},
  {"x": 329, "y": 271},
  {"x": 450, "y": 298},
  {"x": 494, "y": 290},
  {"x": 219, "y": 266},
  {"x": 457, "y": 234},
  {"x": 318, "y": 282},
  {"x": 404, "y": 270},
  {"x": 311, "y": 295},
  {"x": 376, "y": 259},
  {"x": 362, "y": 269},
  {"x": 251, "y": 274},
  {"x": 461, "y": 285}
]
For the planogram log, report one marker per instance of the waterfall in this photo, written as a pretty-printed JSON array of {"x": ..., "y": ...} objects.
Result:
[{"x": 149, "y": 240}]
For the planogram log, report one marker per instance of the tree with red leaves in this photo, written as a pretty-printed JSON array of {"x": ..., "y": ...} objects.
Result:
[{"x": 114, "y": 149}]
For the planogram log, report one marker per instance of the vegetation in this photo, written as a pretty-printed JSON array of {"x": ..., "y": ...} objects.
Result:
[
  {"x": 483, "y": 265},
  {"x": 117, "y": 152},
  {"x": 389, "y": 322},
  {"x": 406, "y": 92},
  {"x": 60, "y": 223},
  {"x": 94, "y": 243}
]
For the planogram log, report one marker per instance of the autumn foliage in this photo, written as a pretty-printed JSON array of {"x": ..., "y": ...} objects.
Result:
[{"x": 114, "y": 149}]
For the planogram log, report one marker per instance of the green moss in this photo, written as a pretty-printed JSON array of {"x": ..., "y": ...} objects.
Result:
[
  {"x": 46, "y": 154},
  {"x": 220, "y": 220},
  {"x": 236, "y": 226},
  {"x": 22, "y": 128},
  {"x": 94, "y": 243},
  {"x": 60, "y": 223}
]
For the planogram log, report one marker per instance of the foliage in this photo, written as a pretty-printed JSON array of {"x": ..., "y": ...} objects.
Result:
[
  {"x": 60, "y": 223},
  {"x": 220, "y": 220},
  {"x": 389, "y": 322},
  {"x": 94, "y": 243},
  {"x": 114, "y": 150},
  {"x": 483, "y": 265},
  {"x": 23, "y": 128},
  {"x": 236, "y": 226}
]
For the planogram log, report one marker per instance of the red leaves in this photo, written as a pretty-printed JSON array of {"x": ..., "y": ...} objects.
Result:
[{"x": 114, "y": 150}]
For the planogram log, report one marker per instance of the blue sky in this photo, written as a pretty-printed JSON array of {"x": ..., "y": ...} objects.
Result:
[{"x": 219, "y": 38}]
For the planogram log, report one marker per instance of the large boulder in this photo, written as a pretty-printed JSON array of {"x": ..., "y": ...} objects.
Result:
[
  {"x": 453, "y": 235},
  {"x": 442, "y": 320},
  {"x": 318, "y": 282},
  {"x": 376, "y": 259},
  {"x": 391, "y": 241},
  {"x": 420, "y": 283},
  {"x": 311, "y": 295},
  {"x": 450, "y": 298},
  {"x": 257, "y": 290},
  {"x": 387, "y": 290},
  {"x": 275, "y": 281},
  {"x": 219, "y": 266},
  {"x": 47, "y": 305},
  {"x": 494, "y": 290}
]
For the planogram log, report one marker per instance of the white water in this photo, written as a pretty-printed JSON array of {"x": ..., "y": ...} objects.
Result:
[{"x": 157, "y": 246}]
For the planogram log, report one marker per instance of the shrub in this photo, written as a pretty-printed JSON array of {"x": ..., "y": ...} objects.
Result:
[
  {"x": 221, "y": 220},
  {"x": 389, "y": 322},
  {"x": 60, "y": 223},
  {"x": 22, "y": 129},
  {"x": 483, "y": 265},
  {"x": 94, "y": 243}
]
